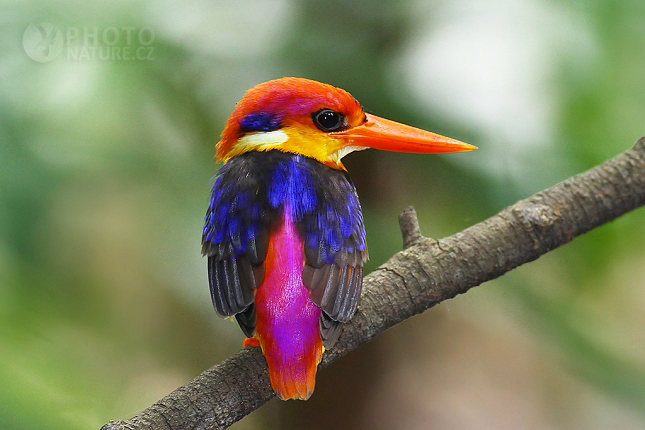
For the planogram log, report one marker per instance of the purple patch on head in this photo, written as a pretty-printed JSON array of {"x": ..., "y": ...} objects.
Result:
[{"x": 293, "y": 105}]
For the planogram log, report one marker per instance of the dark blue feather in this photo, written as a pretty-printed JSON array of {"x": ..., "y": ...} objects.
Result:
[{"x": 260, "y": 121}]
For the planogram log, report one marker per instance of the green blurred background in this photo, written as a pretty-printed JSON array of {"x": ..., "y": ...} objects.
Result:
[{"x": 106, "y": 166}]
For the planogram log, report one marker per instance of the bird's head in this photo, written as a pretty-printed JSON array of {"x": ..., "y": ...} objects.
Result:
[{"x": 320, "y": 121}]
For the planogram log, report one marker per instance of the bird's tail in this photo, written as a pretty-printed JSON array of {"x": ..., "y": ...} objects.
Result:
[{"x": 294, "y": 377}]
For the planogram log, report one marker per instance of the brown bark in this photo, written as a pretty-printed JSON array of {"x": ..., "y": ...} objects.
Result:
[{"x": 425, "y": 273}]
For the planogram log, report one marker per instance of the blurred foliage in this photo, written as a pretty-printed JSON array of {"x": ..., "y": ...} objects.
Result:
[{"x": 105, "y": 168}]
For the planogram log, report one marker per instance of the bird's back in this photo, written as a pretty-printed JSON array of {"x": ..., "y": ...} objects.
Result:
[{"x": 286, "y": 244}]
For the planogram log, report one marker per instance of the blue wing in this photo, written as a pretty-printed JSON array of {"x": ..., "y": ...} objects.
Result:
[{"x": 236, "y": 238}]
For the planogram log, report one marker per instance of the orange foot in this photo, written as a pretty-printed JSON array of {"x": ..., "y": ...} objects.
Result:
[{"x": 251, "y": 341}]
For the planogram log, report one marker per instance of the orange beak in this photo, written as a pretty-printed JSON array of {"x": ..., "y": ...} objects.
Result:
[{"x": 381, "y": 133}]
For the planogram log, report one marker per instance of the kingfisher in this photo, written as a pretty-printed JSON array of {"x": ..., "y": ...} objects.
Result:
[{"x": 284, "y": 232}]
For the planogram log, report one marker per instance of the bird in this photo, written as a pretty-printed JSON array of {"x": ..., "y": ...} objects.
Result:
[{"x": 284, "y": 234}]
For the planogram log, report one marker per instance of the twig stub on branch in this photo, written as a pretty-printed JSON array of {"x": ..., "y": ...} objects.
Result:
[{"x": 409, "y": 225}]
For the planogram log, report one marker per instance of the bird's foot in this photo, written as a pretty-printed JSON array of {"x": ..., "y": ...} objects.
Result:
[{"x": 251, "y": 341}]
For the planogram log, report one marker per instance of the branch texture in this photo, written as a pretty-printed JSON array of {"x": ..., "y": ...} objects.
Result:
[{"x": 425, "y": 273}]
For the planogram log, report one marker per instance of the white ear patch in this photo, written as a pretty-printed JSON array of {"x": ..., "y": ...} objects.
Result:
[{"x": 262, "y": 139}]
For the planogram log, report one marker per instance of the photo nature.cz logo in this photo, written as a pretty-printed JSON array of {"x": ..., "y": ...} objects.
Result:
[{"x": 43, "y": 42}]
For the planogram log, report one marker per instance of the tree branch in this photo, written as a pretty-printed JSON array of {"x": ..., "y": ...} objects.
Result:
[{"x": 427, "y": 272}]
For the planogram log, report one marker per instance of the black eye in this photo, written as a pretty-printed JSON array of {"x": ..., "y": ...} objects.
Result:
[{"x": 328, "y": 120}]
